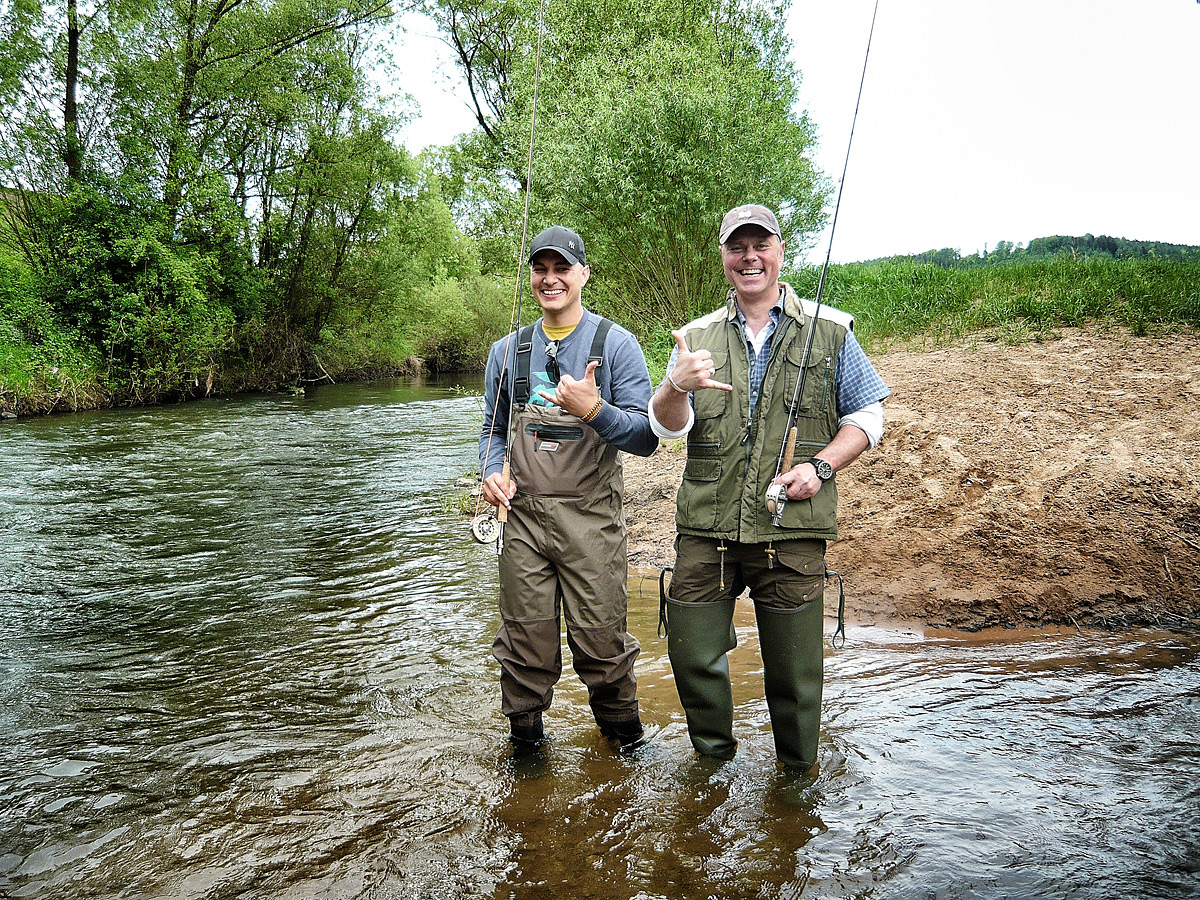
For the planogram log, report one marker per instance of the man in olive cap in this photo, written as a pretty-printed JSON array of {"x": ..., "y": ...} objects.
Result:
[
  {"x": 743, "y": 519},
  {"x": 578, "y": 386}
]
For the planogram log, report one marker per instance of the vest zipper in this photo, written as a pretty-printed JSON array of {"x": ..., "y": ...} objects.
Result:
[{"x": 753, "y": 414}]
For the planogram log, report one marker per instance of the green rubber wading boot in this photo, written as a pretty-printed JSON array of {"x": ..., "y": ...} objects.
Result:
[
  {"x": 793, "y": 672},
  {"x": 698, "y": 637}
]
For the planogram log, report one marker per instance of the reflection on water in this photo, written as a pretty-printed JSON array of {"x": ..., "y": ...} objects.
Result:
[{"x": 245, "y": 652}]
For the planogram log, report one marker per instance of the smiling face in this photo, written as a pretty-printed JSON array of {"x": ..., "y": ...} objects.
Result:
[
  {"x": 557, "y": 286},
  {"x": 752, "y": 258}
]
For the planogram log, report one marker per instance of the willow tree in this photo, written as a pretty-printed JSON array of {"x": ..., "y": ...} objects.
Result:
[
  {"x": 653, "y": 119},
  {"x": 210, "y": 186}
]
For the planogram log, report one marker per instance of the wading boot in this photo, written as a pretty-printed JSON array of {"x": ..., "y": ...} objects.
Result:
[
  {"x": 698, "y": 637},
  {"x": 629, "y": 734},
  {"x": 793, "y": 668},
  {"x": 526, "y": 732}
]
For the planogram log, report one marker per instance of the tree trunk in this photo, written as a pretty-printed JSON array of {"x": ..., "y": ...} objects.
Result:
[
  {"x": 72, "y": 155},
  {"x": 177, "y": 146}
]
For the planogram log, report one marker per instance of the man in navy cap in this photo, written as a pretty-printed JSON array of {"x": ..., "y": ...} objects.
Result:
[{"x": 577, "y": 388}]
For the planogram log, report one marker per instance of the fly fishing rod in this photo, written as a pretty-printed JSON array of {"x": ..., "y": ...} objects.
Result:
[
  {"x": 777, "y": 493},
  {"x": 488, "y": 527}
]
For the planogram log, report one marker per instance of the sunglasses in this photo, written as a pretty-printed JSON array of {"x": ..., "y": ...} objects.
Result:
[{"x": 552, "y": 361}]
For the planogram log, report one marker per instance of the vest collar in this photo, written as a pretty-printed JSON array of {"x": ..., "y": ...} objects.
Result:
[{"x": 791, "y": 304}]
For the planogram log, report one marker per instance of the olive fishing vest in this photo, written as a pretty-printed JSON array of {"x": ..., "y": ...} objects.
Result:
[
  {"x": 552, "y": 452},
  {"x": 732, "y": 455}
]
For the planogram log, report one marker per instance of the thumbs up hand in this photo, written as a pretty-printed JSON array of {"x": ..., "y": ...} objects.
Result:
[
  {"x": 694, "y": 371},
  {"x": 577, "y": 396}
]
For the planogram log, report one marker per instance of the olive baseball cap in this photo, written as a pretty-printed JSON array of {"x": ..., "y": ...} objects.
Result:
[
  {"x": 749, "y": 214},
  {"x": 562, "y": 241}
]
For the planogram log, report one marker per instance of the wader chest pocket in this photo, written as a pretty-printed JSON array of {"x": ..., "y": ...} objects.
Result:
[
  {"x": 557, "y": 456},
  {"x": 550, "y": 437}
]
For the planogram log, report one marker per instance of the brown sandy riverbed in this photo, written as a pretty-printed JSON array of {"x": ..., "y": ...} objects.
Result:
[{"x": 1043, "y": 483}]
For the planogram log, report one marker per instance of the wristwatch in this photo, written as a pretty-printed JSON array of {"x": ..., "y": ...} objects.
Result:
[{"x": 824, "y": 469}]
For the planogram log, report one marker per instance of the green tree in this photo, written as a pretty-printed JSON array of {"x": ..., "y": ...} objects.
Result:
[
  {"x": 651, "y": 169},
  {"x": 234, "y": 173},
  {"x": 643, "y": 138}
]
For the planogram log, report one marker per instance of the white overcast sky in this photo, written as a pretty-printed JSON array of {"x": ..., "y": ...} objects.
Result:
[{"x": 979, "y": 122}]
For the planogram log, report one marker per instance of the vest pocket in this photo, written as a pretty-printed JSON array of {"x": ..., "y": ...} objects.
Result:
[
  {"x": 697, "y": 501},
  {"x": 818, "y": 383},
  {"x": 711, "y": 402},
  {"x": 702, "y": 469},
  {"x": 818, "y": 512}
]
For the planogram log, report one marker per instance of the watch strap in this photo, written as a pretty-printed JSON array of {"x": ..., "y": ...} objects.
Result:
[{"x": 820, "y": 464}]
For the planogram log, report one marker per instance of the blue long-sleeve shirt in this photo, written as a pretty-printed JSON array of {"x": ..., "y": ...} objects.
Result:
[{"x": 623, "y": 381}]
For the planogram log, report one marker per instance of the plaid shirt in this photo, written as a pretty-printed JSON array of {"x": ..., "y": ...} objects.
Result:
[
  {"x": 758, "y": 361},
  {"x": 856, "y": 385}
]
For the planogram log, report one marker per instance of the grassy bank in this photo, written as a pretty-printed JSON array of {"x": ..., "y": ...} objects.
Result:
[
  {"x": 904, "y": 301},
  {"x": 46, "y": 366}
]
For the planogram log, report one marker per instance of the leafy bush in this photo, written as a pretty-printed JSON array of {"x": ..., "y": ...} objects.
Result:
[
  {"x": 456, "y": 321},
  {"x": 109, "y": 284},
  {"x": 43, "y": 365}
]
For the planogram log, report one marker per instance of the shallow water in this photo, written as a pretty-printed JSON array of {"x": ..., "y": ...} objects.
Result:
[{"x": 245, "y": 652}]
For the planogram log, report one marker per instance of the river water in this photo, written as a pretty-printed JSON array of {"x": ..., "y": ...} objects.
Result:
[{"x": 245, "y": 652}]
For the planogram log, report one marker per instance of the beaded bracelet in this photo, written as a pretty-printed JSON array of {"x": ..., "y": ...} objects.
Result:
[{"x": 595, "y": 411}]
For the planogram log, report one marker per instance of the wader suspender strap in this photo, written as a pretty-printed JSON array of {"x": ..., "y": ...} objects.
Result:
[
  {"x": 525, "y": 350},
  {"x": 597, "y": 352}
]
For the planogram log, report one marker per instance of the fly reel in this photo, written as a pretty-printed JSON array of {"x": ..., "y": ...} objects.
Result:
[
  {"x": 777, "y": 493},
  {"x": 776, "y": 501},
  {"x": 485, "y": 528}
]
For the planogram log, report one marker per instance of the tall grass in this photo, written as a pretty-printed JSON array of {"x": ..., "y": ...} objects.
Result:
[{"x": 902, "y": 300}]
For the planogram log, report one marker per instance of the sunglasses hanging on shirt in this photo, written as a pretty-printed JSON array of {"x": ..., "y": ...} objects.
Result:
[{"x": 552, "y": 361}]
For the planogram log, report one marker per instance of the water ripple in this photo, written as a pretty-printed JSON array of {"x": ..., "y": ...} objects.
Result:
[{"x": 246, "y": 652}]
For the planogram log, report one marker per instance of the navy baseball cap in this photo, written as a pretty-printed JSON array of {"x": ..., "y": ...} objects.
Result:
[{"x": 561, "y": 240}]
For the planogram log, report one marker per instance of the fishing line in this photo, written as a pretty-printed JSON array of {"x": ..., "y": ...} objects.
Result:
[
  {"x": 486, "y": 527},
  {"x": 775, "y": 504}
]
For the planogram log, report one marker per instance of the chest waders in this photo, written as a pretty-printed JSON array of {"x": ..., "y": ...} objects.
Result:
[
  {"x": 555, "y": 454},
  {"x": 564, "y": 555}
]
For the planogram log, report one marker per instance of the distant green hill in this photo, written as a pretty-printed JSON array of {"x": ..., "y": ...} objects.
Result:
[{"x": 1056, "y": 247}]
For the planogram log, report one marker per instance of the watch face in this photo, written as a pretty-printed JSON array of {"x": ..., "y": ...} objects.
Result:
[{"x": 824, "y": 469}]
